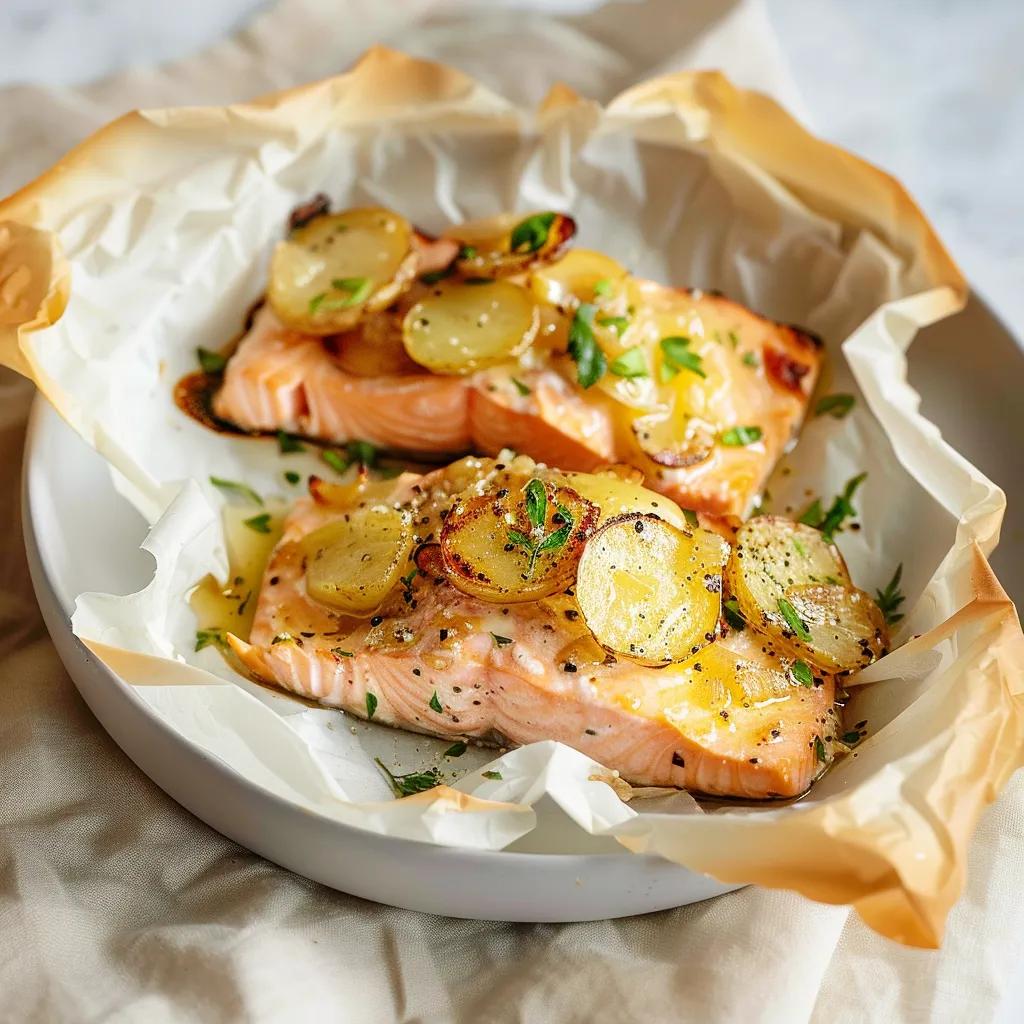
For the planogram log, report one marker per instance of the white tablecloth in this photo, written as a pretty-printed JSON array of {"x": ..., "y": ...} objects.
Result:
[{"x": 115, "y": 904}]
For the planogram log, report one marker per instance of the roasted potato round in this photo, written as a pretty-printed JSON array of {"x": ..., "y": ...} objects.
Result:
[
  {"x": 673, "y": 441},
  {"x": 650, "y": 591},
  {"x": 793, "y": 586},
  {"x": 516, "y": 543},
  {"x": 354, "y": 562},
  {"x": 582, "y": 275},
  {"x": 511, "y": 243},
  {"x": 461, "y": 327},
  {"x": 329, "y": 270}
]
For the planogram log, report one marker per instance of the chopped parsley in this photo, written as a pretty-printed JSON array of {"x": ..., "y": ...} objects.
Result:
[
  {"x": 286, "y": 444},
  {"x": 632, "y": 363},
  {"x": 360, "y": 453},
  {"x": 211, "y": 362},
  {"x": 734, "y": 339},
  {"x": 502, "y": 641},
  {"x": 292, "y": 477},
  {"x": 831, "y": 522},
  {"x": 492, "y": 775},
  {"x": 356, "y": 289},
  {"x": 617, "y": 323},
  {"x": 467, "y": 252},
  {"x": 851, "y": 739},
  {"x": 371, "y": 705},
  {"x": 456, "y": 750},
  {"x": 210, "y": 638},
  {"x": 731, "y": 611},
  {"x": 520, "y": 387},
  {"x": 603, "y": 288},
  {"x": 889, "y": 599},
  {"x": 584, "y": 349},
  {"x": 235, "y": 489},
  {"x": 413, "y": 782},
  {"x": 798, "y": 546},
  {"x": 530, "y": 234},
  {"x": 676, "y": 356},
  {"x": 435, "y": 704},
  {"x": 341, "y": 653},
  {"x": 793, "y": 620},
  {"x": 260, "y": 523},
  {"x": 739, "y": 437},
  {"x": 691, "y": 518},
  {"x": 819, "y": 750},
  {"x": 750, "y": 359},
  {"x": 801, "y": 673},
  {"x": 836, "y": 406}
]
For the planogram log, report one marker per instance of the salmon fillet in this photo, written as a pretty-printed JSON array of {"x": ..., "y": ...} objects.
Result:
[
  {"x": 729, "y": 721},
  {"x": 764, "y": 374}
]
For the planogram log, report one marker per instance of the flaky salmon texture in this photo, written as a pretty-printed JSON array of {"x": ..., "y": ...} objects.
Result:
[
  {"x": 500, "y": 335},
  {"x": 737, "y": 713}
]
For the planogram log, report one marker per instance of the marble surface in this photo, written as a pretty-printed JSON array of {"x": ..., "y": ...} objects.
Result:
[{"x": 931, "y": 90}]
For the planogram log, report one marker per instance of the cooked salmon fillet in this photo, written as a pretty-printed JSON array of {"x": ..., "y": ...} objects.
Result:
[
  {"x": 440, "y": 662},
  {"x": 763, "y": 374}
]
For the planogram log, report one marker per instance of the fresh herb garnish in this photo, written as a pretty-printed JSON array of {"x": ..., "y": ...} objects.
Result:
[
  {"x": 492, "y": 775},
  {"x": 211, "y": 362},
  {"x": 834, "y": 405},
  {"x": 851, "y": 739},
  {"x": 691, "y": 518},
  {"x": 537, "y": 541},
  {"x": 530, "y": 234},
  {"x": 413, "y": 782},
  {"x": 286, "y": 444},
  {"x": 891, "y": 598},
  {"x": 738, "y": 437},
  {"x": 371, "y": 705},
  {"x": 750, "y": 359},
  {"x": 793, "y": 620},
  {"x": 467, "y": 252},
  {"x": 260, "y": 523},
  {"x": 356, "y": 453},
  {"x": 456, "y": 750},
  {"x": 211, "y": 638},
  {"x": 235, "y": 489},
  {"x": 801, "y": 673},
  {"x": 502, "y": 641},
  {"x": 731, "y": 611},
  {"x": 341, "y": 653},
  {"x": 520, "y": 387},
  {"x": 292, "y": 477},
  {"x": 734, "y": 339},
  {"x": 357, "y": 290},
  {"x": 435, "y": 704},
  {"x": 603, "y": 288},
  {"x": 536, "y": 503},
  {"x": 584, "y": 349},
  {"x": 617, "y": 323},
  {"x": 632, "y": 363},
  {"x": 831, "y": 522},
  {"x": 335, "y": 460},
  {"x": 819, "y": 749},
  {"x": 676, "y": 356}
]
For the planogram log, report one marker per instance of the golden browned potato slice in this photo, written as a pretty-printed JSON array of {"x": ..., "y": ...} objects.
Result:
[
  {"x": 516, "y": 543},
  {"x": 327, "y": 272},
  {"x": 511, "y": 243},
  {"x": 795, "y": 587},
  {"x": 650, "y": 591},
  {"x": 355, "y": 562},
  {"x": 461, "y": 327},
  {"x": 582, "y": 275},
  {"x": 673, "y": 441}
]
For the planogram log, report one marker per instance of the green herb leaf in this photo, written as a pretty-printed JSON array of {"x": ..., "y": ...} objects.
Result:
[
  {"x": 814, "y": 514},
  {"x": 632, "y": 363},
  {"x": 260, "y": 523},
  {"x": 492, "y": 775},
  {"x": 358, "y": 289},
  {"x": 691, "y": 518},
  {"x": 734, "y": 339},
  {"x": 456, "y": 750},
  {"x": 584, "y": 349},
  {"x": 738, "y": 437},
  {"x": 211, "y": 362},
  {"x": 467, "y": 252},
  {"x": 676, "y": 356},
  {"x": 557, "y": 539},
  {"x": 793, "y": 620},
  {"x": 520, "y": 539},
  {"x": 413, "y": 782},
  {"x": 801, "y": 673},
  {"x": 362, "y": 452},
  {"x": 338, "y": 462},
  {"x": 889, "y": 599},
  {"x": 292, "y": 477},
  {"x": 750, "y": 359},
  {"x": 286, "y": 444},
  {"x": 502, "y": 641},
  {"x": 603, "y": 288},
  {"x": 316, "y": 302},
  {"x": 521, "y": 387},
  {"x": 851, "y": 739},
  {"x": 836, "y": 406},
  {"x": 211, "y": 638},
  {"x": 731, "y": 611},
  {"x": 841, "y": 509},
  {"x": 819, "y": 749},
  {"x": 234, "y": 489},
  {"x": 617, "y": 323},
  {"x": 435, "y": 704},
  {"x": 371, "y": 705},
  {"x": 536, "y": 503},
  {"x": 530, "y": 234},
  {"x": 341, "y": 653},
  {"x": 798, "y": 546}
]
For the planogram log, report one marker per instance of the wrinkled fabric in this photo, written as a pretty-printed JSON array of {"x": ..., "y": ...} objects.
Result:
[{"x": 118, "y": 905}]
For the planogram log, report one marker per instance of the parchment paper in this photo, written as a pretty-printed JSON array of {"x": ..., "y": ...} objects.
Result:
[{"x": 165, "y": 220}]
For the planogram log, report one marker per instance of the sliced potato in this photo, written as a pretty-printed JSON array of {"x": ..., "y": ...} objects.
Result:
[
  {"x": 582, "y": 275},
  {"x": 516, "y": 543},
  {"x": 793, "y": 586},
  {"x": 355, "y": 562},
  {"x": 461, "y": 327},
  {"x": 650, "y": 591},
  {"x": 673, "y": 441},
  {"x": 511, "y": 243},
  {"x": 329, "y": 270}
]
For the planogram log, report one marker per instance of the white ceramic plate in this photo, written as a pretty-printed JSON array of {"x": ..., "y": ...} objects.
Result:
[{"x": 82, "y": 536}]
